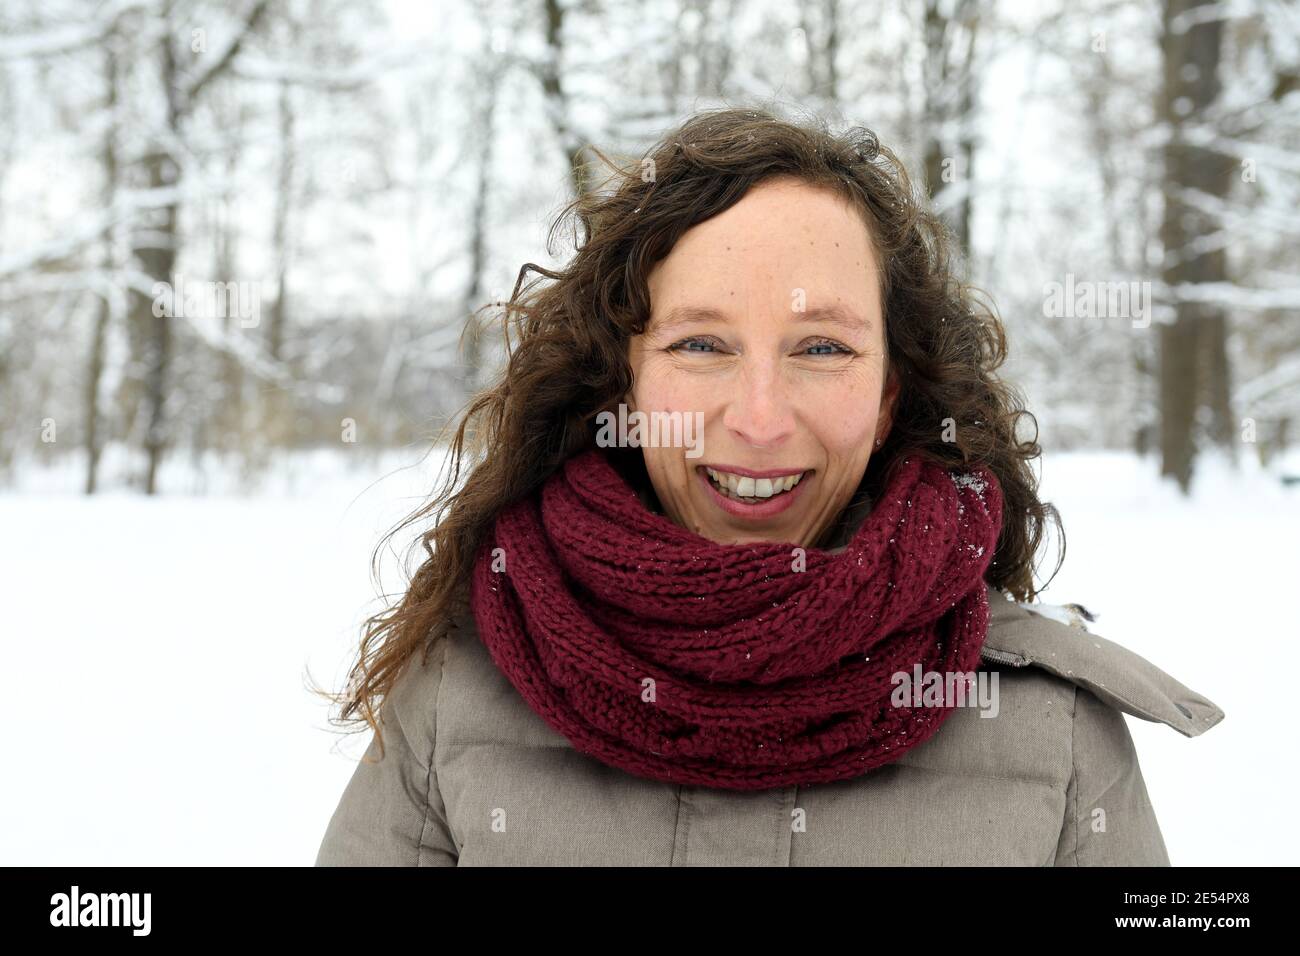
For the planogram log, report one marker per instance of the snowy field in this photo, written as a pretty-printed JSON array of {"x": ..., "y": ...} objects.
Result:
[{"x": 157, "y": 654}]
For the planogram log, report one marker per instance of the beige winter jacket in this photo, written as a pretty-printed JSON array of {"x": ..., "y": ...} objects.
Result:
[{"x": 471, "y": 776}]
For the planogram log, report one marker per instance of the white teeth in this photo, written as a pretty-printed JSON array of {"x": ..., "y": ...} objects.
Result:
[{"x": 742, "y": 486}]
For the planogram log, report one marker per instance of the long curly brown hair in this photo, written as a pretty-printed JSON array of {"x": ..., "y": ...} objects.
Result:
[{"x": 567, "y": 357}]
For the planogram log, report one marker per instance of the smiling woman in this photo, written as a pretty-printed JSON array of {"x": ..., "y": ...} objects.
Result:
[{"x": 658, "y": 654}]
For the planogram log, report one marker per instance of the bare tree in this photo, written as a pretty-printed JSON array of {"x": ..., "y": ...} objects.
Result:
[
  {"x": 1193, "y": 349},
  {"x": 479, "y": 228},
  {"x": 157, "y": 243},
  {"x": 558, "y": 107},
  {"x": 949, "y": 31},
  {"x": 109, "y": 298}
]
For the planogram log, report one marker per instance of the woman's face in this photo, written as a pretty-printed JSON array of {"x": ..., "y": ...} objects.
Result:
[{"x": 766, "y": 319}]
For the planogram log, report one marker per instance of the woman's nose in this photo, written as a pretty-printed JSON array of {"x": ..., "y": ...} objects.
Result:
[{"x": 759, "y": 409}]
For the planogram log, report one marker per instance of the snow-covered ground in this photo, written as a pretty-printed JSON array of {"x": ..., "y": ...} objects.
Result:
[
  {"x": 156, "y": 653},
  {"x": 1205, "y": 589}
]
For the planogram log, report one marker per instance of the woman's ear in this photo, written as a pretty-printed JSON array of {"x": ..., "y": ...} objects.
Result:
[{"x": 888, "y": 406}]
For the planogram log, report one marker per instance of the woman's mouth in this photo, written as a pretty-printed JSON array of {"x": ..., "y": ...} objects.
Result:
[
  {"x": 751, "y": 490},
  {"x": 753, "y": 495}
]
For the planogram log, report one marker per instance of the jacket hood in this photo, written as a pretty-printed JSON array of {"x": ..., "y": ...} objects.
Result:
[{"x": 1025, "y": 635}]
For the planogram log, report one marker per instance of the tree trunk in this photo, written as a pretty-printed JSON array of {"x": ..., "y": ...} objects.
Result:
[
  {"x": 1193, "y": 350},
  {"x": 949, "y": 102},
  {"x": 280, "y": 227},
  {"x": 95, "y": 364},
  {"x": 157, "y": 258},
  {"x": 557, "y": 99},
  {"x": 473, "y": 349},
  {"x": 158, "y": 261}
]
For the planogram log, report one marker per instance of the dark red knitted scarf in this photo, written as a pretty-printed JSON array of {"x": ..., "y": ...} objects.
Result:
[{"x": 659, "y": 652}]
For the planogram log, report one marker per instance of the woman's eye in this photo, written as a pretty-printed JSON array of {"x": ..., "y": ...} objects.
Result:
[
  {"x": 692, "y": 345},
  {"x": 826, "y": 348}
]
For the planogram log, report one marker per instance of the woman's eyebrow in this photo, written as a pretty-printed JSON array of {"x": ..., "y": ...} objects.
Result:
[
  {"x": 687, "y": 314},
  {"x": 836, "y": 315},
  {"x": 833, "y": 314}
]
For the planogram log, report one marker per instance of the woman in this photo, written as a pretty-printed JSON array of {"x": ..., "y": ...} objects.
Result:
[{"x": 741, "y": 570}]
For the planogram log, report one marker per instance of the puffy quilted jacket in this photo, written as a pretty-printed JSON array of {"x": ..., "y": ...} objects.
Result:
[{"x": 471, "y": 776}]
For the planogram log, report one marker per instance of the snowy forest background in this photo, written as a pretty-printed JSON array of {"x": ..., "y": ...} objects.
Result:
[{"x": 367, "y": 174}]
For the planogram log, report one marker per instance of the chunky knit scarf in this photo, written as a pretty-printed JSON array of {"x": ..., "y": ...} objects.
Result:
[{"x": 741, "y": 667}]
